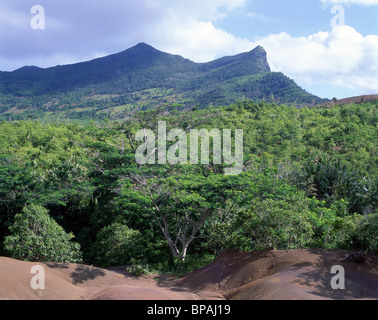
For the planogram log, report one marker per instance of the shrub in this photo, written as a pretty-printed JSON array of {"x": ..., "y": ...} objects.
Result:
[
  {"x": 191, "y": 263},
  {"x": 35, "y": 236},
  {"x": 344, "y": 232},
  {"x": 116, "y": 245},
  {"x": 138, "y": 267},
  {"x": 279, "y": 224},
  {"x": 331, "y": 228},
  {"x": 367, "y": 233}
]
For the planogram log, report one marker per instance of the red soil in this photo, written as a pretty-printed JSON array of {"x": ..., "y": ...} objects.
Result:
[{"x": 271, "y": 275}]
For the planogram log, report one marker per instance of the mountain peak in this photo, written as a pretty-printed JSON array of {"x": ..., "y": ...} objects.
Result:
[
  {"x": 141, "y": 48},
  {"x": 259, "y": 55},
  {"x": 143, "y": 45},
  {"x": 259, "y": 49},
  {"x": 28, "y": 68}
]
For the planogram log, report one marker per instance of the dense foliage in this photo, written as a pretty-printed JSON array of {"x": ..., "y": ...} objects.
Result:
[
  {"x": 37, "y": 237},
  {"x": 309, "y": 181}
]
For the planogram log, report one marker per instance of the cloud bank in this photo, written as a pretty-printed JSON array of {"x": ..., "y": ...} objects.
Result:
[{"x": 341, "y": 57}]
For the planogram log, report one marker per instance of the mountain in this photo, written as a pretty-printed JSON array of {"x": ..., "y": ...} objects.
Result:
[{"x": 144, "y": 76}]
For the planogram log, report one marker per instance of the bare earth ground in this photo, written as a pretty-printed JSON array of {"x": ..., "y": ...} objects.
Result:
[
  {"x": 234, "y": 275},
  {"x": 358, "y": 99}
]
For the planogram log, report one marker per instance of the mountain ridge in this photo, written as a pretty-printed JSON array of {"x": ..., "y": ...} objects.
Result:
[{"x": 144, "y": 76}]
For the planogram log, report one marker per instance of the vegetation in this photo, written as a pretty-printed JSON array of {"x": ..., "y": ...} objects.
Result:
[
  {"x": 116, "y": 245},
  {"x": 37, "y": 237},
  {"x": 309, "y": 181}
]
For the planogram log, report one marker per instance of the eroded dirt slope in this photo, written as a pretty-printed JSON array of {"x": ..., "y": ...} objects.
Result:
[{"x": 271, "y": 275}]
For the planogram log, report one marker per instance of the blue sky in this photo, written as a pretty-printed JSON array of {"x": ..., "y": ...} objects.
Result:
[
  {"x": 296, "y": 17},
  {"x": 330, "y": 61}
]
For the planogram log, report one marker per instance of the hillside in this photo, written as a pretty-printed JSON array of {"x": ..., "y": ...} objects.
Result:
[
  {"x": 356, "y": 100},
  {"x": 144, "y": 76}
]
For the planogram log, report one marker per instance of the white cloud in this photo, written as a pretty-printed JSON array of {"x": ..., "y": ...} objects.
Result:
[
  {"x": 187, "y": 28},
  {"x": 199, "y": 41},
  {"x": 342, "y": 57}
]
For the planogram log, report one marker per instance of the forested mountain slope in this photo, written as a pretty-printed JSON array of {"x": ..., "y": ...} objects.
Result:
[{"x": 143, "y": 76}]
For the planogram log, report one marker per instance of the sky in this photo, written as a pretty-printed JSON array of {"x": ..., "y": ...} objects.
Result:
[{"x": 329, "y": 47}]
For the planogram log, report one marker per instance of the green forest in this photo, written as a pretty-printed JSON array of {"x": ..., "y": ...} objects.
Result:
[{"x": 73, "y": 192}]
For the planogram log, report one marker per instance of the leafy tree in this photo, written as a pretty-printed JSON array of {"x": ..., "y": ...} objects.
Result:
[
  {"x": 274, "y": 224},
  {"x": 182, "y": 205},
  {"x": 37, "y": 237}
]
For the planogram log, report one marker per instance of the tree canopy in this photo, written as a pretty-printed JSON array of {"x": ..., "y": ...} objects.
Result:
[{"x": 309, "y": 181}]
